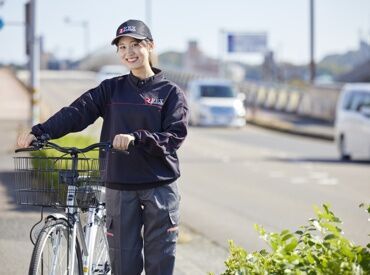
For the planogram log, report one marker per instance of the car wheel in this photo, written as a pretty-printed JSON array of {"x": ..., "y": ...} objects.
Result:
[{"x": 343, "y": 150}]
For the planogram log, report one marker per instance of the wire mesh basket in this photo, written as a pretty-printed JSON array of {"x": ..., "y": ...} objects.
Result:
[{"x": 42, "y": 181}]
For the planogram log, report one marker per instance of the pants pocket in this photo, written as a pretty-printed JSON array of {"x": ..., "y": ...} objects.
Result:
[
  {"x": 174, "y": 216},
  {"x": 111, "y": 234},
  {"x": 173, "y": 229}
]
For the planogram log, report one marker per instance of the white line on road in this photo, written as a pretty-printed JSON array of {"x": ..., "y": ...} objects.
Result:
[{"x": 298, "y": 180}]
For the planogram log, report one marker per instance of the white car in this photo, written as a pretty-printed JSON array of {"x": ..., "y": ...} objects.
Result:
[
  {"x": 110, "y": 71},
  {"x": 215, "y": 102},
  {"x": 352, "y": 124}
]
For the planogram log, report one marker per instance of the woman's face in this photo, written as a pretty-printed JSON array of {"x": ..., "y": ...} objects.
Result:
[{"x": 134, "y": 53}]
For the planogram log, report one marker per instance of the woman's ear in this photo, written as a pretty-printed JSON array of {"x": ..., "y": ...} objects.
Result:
[{"x": 151, "y": 46}]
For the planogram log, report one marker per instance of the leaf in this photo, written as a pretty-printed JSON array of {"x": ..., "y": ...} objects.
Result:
[
  {"x": 310, "y": 259},
  {"x": 292, "y": 245},
  {"x": 329, "y": 237},
  {"x": 287, "y": 237}
]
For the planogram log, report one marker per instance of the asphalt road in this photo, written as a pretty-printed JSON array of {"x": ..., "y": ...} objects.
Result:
[{"x": 233, "y": 179}]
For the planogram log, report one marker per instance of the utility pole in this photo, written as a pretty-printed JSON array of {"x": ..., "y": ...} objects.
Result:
[
  {"x": 148, "y": 13},
  {"x": 33, "y": 45},
  {"x": 312, "y": 43}
]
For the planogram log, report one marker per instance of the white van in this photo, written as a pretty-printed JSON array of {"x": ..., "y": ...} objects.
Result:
[
  {"x": 215, "y": 102},
  {"x": 352, "y": 125}
]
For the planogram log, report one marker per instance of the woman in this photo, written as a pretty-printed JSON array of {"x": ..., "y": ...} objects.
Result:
[{"x": 144, "y": 110}]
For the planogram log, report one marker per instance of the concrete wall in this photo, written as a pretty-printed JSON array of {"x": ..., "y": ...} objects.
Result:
[{"x": 311, "y": 101}]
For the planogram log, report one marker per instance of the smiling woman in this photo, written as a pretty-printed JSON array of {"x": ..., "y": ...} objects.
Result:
[{"x": 145, "y": 114}]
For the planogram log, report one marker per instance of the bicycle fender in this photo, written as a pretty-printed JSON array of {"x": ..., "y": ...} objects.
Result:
[{"x": 56, "y": 216}]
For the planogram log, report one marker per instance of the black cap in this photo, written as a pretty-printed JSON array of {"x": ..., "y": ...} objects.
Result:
[{"x": 133, "y": 28}]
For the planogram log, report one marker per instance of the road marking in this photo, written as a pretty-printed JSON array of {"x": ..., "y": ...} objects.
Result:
[
  {"x": 276, "y": 174},
  {"x": 318, "y": 175},
  {"x": 298, "y": 180},
  {"x": 328, "y": 181}
]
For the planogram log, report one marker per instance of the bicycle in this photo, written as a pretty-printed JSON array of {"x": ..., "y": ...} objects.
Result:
[{"x": 65, "y": 245}]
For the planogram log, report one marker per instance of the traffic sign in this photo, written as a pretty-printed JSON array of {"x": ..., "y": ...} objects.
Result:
[
  {"x": 246, "y": 42},
  {"x": 1, "y": 23}
]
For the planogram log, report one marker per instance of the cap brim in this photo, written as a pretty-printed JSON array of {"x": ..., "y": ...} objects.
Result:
[{"x": 134, "y": 35}]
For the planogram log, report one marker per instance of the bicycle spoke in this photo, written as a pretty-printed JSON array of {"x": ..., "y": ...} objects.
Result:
[{"x": 53, "y": 252}]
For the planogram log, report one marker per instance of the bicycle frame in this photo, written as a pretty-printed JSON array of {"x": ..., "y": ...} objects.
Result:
[{"x": 95, "y": 216}]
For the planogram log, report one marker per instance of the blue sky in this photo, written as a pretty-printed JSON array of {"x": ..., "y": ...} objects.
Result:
[{"x": 339, "y": 24}]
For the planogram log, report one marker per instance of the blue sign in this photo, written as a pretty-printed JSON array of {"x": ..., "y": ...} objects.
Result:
[
  {"x": 1, "y": 23},
  {"x": 246, "y": 42}
]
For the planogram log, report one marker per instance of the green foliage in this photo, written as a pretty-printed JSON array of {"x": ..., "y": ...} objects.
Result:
[
  {"x": 72, "y": 140},
  {"x": 316, "y": 248}
]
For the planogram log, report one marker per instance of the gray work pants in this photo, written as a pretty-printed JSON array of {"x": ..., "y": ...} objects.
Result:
[{"x": 155, "y": 210}]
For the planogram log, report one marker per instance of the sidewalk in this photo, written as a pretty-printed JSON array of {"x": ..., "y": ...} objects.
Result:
[{"x": 14, "y": 114}]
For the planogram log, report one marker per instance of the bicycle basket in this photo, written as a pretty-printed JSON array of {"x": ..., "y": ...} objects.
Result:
[{"x": 42, "y": 181}]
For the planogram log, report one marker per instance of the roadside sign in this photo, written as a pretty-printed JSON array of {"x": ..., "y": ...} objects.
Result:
[{"x": 246, "y": 42}]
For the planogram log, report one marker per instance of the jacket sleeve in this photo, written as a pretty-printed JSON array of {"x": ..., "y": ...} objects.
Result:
[
  {"x": 174, "y": 125},
  {"x": 76, "y": 117}
]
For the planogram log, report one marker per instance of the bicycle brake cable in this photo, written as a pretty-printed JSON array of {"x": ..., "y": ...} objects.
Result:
[{"x": 33, "y": 227}]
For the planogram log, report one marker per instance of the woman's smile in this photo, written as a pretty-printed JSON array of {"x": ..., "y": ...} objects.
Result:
[{"x": 132, "y": 59}]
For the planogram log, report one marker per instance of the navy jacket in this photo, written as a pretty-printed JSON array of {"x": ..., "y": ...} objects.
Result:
[{"x": 154, "y": 110}]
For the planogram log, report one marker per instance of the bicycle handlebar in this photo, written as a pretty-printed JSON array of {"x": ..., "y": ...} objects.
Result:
[{"x": 43, "y": 143}]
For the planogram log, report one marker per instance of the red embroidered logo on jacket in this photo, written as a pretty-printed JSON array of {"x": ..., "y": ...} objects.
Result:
[{"x": 154, "y": 101}]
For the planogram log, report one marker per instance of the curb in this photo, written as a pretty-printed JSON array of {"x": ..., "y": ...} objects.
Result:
[{"x": 286, "y": 127}]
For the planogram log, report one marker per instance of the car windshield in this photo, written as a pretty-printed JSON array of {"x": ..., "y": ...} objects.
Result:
[{"x": 216, "y": 91}]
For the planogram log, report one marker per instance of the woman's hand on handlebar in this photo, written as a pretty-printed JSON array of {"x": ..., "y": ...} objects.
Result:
[
  {"x": 122, "y": 141},
  {"x": 25, "y": 140}
]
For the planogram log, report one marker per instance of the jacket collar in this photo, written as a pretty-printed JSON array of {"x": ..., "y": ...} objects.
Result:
[{"x": 137, "y": 82}]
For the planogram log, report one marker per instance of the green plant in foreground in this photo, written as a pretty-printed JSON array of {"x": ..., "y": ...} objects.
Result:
[{"x": 316, "y": 248}]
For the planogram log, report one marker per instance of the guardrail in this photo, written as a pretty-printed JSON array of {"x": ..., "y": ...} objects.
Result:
[{"x": 310, "y": 101}]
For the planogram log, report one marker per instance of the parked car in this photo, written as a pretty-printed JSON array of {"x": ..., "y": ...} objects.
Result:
[
  {"x": 215, "y": 102},
  {"x": 352, "y": 125},
  {"x": 110, "y": 71}
]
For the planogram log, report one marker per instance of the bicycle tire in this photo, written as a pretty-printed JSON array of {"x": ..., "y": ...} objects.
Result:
[
  {"x": 100, "y": 261},
  {"x": 42, "y": 257}
]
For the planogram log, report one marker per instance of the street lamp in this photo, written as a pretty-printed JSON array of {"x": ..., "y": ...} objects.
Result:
[
  {"x": 312, "y": 43},
  {"x": 85, "y": 27}
]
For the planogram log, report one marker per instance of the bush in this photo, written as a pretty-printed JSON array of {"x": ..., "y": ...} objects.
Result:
[
  {"x": 317, "y": 248},
  {"x": 72, "y": 140}
]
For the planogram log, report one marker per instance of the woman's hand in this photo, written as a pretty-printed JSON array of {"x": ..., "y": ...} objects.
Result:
[
  {"x": 24, "y": 140},
  {"x": 122, "y": 141}
]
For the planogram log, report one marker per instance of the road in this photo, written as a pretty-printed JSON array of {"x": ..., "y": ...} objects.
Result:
[{"x": 232, "y": 179}]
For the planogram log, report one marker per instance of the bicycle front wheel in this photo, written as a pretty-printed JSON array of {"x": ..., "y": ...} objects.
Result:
[
  {"x": 50, "y": 254},
  {"x": 100, "y": 263}
]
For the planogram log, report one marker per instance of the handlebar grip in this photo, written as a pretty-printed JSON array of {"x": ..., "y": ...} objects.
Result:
[
  {"x": 34, "y": 146},
  {"x": 113, "y": 150},
  {"x": 28, "y": 149}
]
